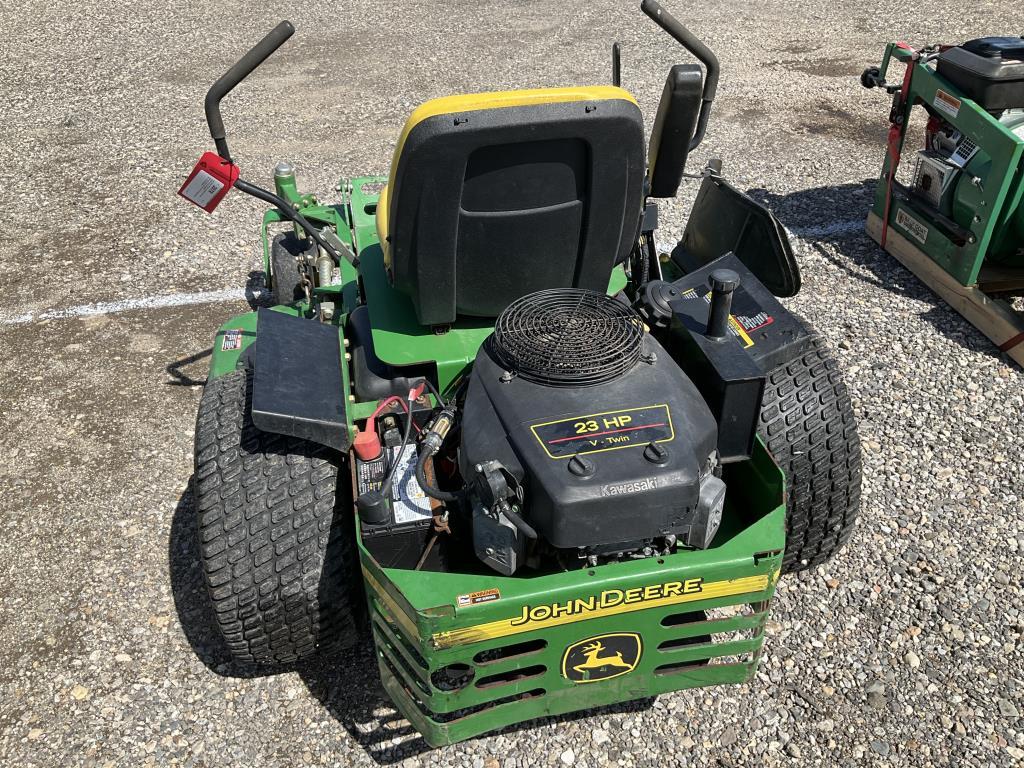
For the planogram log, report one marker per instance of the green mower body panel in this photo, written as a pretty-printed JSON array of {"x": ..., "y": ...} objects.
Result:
[{"x": 461, "y": 654}]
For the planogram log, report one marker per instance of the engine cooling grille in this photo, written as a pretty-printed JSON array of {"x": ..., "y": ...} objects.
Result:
[{"x": 568, "y": 337}]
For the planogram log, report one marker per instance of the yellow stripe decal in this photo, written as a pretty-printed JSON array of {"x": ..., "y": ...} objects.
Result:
[
  {"x": 397, "y": 611},
  {"x": 517, "y": 625}
]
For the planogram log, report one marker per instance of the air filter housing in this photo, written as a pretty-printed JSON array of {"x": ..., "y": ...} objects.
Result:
[{"x": 568, "y": 338}]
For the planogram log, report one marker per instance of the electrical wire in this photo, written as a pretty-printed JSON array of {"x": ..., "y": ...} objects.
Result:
[
  {"x": 433, "y": 390},
  {"x": 385, "y": 488},
  {"x": 384, "y": 404}
]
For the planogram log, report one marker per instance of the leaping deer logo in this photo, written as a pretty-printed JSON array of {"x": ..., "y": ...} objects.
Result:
[{"x": 598, "y": 659}]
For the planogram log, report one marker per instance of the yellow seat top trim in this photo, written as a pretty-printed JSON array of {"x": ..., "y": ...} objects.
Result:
[
  {"x": 381, "y": 219},
  {"x": 470, "y": 102}
]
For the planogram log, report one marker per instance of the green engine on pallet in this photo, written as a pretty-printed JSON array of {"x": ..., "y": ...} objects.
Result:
[
  {"x": 545, "y": 465},
  {"x": 959, "y": 222}
]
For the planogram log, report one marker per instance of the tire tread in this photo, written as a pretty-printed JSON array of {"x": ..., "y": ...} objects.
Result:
[
  {"x": 808, "y": 424},
  {"x": 268, "y": 525}
]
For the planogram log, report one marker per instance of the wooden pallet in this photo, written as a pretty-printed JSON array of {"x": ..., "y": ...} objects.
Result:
[{"x": 993, "y": 317}]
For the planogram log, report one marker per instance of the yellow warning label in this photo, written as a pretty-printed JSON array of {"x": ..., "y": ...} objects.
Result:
[
  {"x": 741, "y": 332},
  {"x": 473, "y": 598}
]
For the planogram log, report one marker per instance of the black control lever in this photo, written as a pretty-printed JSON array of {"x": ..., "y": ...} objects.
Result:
[
  {"x": 224, "y": 85},
  {"x": 241, "y": 70},
  {"x": 694, "y": 45},
  {"x": 723, "y": 283}
]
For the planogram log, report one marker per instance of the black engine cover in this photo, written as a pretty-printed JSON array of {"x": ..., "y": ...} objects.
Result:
[
  {"x": 640, "y": 444},
  {"x": 989, "y": 70}
]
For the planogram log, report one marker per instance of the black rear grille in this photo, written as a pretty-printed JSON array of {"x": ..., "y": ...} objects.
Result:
[{"x": 568, "y": 337}]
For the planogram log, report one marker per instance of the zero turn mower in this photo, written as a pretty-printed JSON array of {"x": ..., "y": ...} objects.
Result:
[{"x": 546, "y": 466}]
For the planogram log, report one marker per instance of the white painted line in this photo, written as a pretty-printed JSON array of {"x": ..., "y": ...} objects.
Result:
[
  {"x": 209, "y": 297},
  {"x": 126, "y": 305}
]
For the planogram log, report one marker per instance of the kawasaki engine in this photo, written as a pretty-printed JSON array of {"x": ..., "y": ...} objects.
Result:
[{"x": 587, "y": 440}]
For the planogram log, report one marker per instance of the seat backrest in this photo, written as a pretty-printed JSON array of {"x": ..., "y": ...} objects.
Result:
[{"x": 495, "y": 195}]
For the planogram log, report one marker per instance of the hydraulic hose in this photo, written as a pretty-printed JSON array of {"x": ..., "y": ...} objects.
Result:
[
  {"x": 433, "y": 390},
  {"x": 282, "y": 205}
]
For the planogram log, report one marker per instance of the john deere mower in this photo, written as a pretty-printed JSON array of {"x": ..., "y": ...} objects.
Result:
[{"x": 486, "y": 423}]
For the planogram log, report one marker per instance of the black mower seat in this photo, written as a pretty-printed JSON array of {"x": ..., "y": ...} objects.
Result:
[{"x": 495, "y": 195}]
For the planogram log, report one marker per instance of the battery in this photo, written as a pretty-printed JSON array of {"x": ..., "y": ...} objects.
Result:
[
  {"x": 409, "y": 504},
  {"x": 400, "y": 542}
]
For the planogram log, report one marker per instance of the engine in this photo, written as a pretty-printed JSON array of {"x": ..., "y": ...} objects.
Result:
[
  {"x": 576, "y": 438},
  {"x": 588, "y": 442}
]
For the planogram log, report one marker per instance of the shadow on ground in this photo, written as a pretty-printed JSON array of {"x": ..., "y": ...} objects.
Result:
[
  {"x": 860, "y": 258},
  {"x": 178, "y": 373},
  {"x": 359, "y": 703},
  {"x": 347, "y": 684}
]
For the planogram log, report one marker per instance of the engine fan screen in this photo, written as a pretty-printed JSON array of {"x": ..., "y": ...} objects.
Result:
[{"x": 608, "y": 431}]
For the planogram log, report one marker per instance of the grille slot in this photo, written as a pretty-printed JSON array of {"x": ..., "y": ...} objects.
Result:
[
  {"x": 493, "y": 655},
  {"x": 568, "y": 337}
]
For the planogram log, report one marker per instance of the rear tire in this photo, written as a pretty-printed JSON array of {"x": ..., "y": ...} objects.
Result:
[
  {"x": 286, "y": 280},
  {"x": 808, "y": 424},
  {"x": 275, "y": 533}
]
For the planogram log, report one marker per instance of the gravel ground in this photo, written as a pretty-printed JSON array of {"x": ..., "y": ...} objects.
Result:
[{"x": 906, "y": 650}]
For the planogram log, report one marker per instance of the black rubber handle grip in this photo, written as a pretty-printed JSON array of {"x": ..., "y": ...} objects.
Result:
[
  {"x": 694, "y": 45},
  {"x": 241, "y": 70},
  {"x": 689, "y": 41}
]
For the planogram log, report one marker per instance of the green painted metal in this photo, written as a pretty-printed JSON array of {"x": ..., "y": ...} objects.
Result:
[
  {"x": 223, "y": 356},
  {"x": 419, "y": 626},
  {"x": 990, "y": 213},
  {"x": 337, "y": 217},
  {"x": 363, "y": 193}
]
